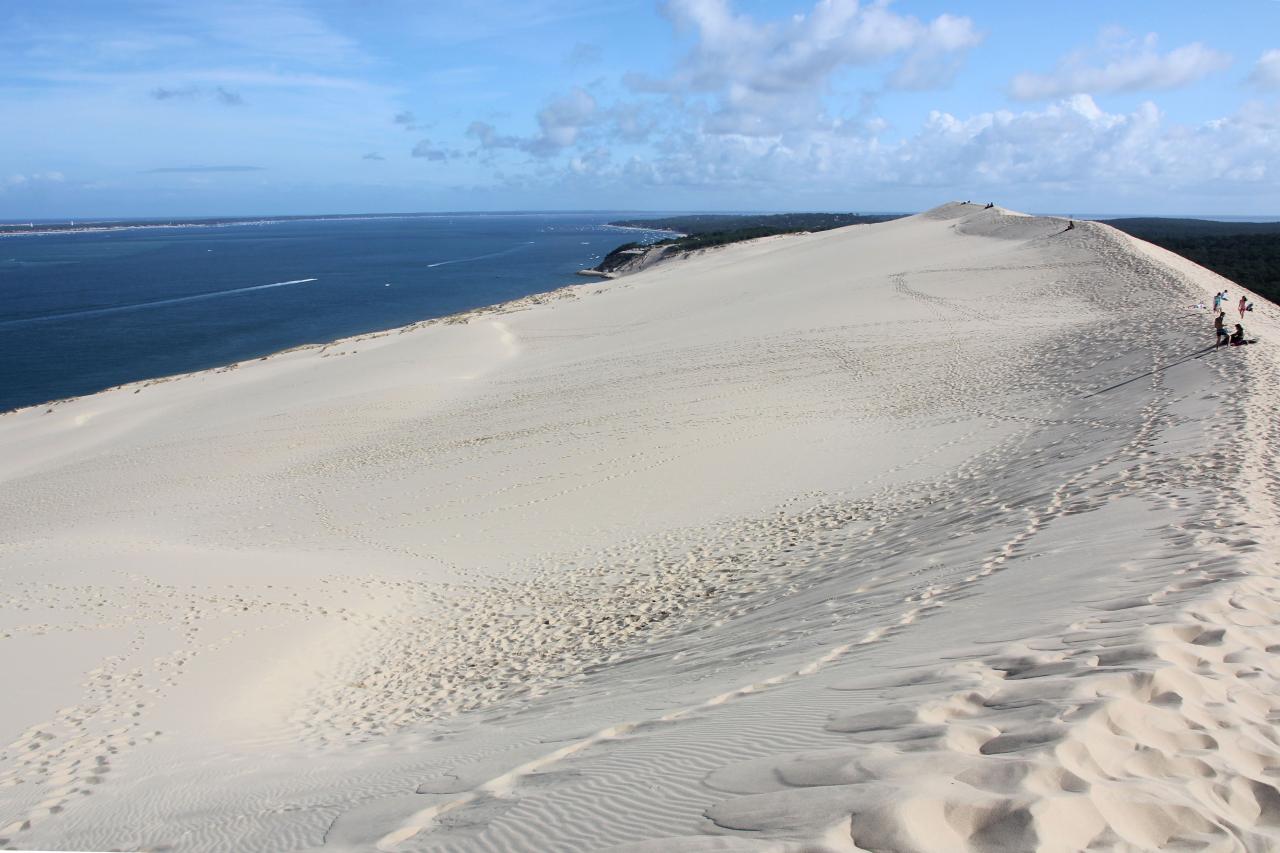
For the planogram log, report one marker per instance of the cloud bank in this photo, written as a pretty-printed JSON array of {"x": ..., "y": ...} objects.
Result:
[
  {"x": 1124, "y": 67},
  {"x": 765, "y": 77},
  {"x": 749, "y": 105}
]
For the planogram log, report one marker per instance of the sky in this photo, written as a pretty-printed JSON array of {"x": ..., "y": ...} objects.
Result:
[{"x": 136, "y": 108}]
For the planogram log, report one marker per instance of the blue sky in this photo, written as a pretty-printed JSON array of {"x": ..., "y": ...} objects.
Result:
[{"x": 147, "y": 107}]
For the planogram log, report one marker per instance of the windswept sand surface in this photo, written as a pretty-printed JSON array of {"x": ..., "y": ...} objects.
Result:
[{"x": 931, "y": 535}]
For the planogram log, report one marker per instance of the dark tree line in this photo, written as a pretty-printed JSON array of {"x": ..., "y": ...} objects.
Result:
[
  {"x": 770, "y": 223},
  {"x": 700, "y": 231}
]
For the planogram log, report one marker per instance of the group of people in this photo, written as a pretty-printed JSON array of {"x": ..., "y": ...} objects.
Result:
[
  {"x": 1235, "y": 338},
  {"x": 1225, "y": 338},
  {"x": 1220, "y": 299}
]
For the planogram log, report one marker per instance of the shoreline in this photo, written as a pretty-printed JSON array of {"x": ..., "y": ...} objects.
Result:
[
  {"x": 458, "y": 316},
  {"x": 96, "y": 228},
  {"x": 454, "y": 318}
]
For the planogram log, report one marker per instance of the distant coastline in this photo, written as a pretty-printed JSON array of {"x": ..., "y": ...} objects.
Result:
[
  {"x": 13, "y": 229},
  {"x": 93, "y": 225}
]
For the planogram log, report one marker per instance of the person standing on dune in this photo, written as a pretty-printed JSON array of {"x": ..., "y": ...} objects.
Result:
[
  {"x": 1219, "y": 325},
  {"x": 1243, "y": 303}
]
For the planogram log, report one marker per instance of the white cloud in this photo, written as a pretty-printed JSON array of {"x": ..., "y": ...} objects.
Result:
[
  {"x": 764, "y": 77},
  {"x": 1266, "y": 73},
  {"x": 1072, "y": 141},
  {"x": 31, "y": 180},
  {"x": 429, "y": 151},
  {"x": 938, "y": 55},
  {"x": 792, "y": 55},
  {"x": 745, "y": 113},
  {"x": 1121, "y": 65},
  {"x": 632, "y": 121},
  {"x": 592, "y": 162},
  {"x": 1071, "y": 148},
  {"x": 562, "y": 119},
  {"x": 560, "y": 123}
]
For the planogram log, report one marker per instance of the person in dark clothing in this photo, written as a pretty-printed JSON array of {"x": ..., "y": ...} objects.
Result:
[{"x": 1238, "y": 338}]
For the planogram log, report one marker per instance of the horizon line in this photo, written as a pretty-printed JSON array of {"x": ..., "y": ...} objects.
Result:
[{"x": 10, "y": 221}]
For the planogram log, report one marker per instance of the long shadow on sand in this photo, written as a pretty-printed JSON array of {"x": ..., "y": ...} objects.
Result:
[{"x": 1189, "y": 357}]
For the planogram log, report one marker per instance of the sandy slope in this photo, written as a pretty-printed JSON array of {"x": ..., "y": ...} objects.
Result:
[{"x": 825, "y": 542}]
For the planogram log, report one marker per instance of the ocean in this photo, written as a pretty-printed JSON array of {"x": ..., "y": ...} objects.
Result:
[{"x": 84, "y": 311}]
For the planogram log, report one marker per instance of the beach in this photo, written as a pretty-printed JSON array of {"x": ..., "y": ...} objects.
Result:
[{"x": 948, "y": 533}]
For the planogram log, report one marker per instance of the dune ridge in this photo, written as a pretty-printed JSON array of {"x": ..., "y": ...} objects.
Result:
[{"x": 927, "y": 535}]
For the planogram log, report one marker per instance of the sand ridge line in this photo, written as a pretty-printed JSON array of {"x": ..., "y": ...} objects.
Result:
[{"x": 881, "y": 822}]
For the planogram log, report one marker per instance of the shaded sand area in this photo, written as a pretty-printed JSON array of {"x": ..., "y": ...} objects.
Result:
[{"x": 932, "y": 535}]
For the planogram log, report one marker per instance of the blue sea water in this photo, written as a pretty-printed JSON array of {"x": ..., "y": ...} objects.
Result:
[{"x": 80, "y": 312}]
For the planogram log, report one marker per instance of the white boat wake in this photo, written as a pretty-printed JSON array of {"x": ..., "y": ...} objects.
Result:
[
  {"x": 120, "y": 309},
  {"x": 480, "y": 257}
]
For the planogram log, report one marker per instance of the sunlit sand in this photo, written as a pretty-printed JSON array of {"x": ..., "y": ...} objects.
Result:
[{"x": 859, "y": 540}]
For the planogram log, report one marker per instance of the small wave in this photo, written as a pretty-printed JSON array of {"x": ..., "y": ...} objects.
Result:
[
  {"x": 19, "y": 262},
  {"x": 481, "y": 257},
  {"x": 119, "y": 309}
]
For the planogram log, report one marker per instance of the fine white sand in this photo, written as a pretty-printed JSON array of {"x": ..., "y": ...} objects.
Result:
[{"x": 924, "y": 536}]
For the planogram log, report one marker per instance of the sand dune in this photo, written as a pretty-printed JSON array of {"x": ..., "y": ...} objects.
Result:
[{"x": 941, "y": 534}]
